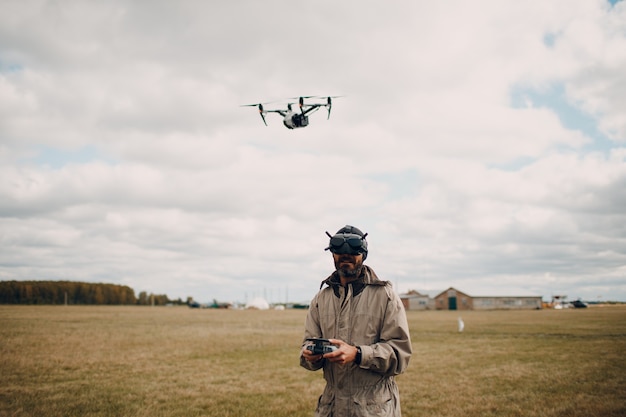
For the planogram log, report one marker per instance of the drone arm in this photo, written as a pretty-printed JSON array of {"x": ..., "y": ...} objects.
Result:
[
  {"x": 312, "y": 108},
  {"x": 263, "y": 111}
]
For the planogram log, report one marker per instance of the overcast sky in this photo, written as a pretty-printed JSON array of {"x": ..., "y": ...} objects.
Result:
[{"x": 481, "y": 144}]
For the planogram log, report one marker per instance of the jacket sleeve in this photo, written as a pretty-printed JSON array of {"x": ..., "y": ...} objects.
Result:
[
  {"x": 312, "y": 329},
  {"x": 391, "y": 355}
]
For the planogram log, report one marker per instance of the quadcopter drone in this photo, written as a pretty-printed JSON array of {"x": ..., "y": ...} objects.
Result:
[{"x": 293, "y": 119}]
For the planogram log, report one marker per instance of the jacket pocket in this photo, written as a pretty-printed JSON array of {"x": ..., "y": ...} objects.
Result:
[
  {"x": 325, "y": 405},
  {"x": 374, "y": 402}
]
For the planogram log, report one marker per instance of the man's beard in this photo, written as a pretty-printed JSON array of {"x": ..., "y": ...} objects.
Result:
[{"x": 349, "y": 272}]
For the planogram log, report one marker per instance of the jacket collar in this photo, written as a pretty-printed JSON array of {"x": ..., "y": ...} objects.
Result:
[{"x": 367, "y": 277}]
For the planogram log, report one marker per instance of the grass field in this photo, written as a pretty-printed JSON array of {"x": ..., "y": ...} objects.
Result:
[{"x": 175, "y": 361}]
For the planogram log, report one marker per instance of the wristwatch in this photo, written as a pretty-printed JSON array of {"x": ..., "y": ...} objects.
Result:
[{"x": 357, "y": 359}]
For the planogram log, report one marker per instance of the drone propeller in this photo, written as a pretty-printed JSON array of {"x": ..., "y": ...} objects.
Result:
[
  {"x": 329, "y": 105},
  {"x": 261, "y": 110},
  {"x": 261, "y": 113},
  {"x": 326, "y": 97},
  {"x": 301, "y": 102}
]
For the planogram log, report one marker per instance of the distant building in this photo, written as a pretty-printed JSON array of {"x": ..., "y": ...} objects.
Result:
[
  {"x": 507, "y": 303},
  {"x": 453, "y": 299},
  {"x": 413, "y": 300}
]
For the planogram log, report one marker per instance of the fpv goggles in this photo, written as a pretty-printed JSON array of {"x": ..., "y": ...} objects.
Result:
[{"x": 347, "y": 243}]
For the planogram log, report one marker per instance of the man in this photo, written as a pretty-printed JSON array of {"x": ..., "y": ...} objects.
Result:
[{"x": 364, "y": 318}]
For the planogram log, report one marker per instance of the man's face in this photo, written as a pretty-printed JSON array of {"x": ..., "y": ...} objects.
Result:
[{"x": 349, "y": 266}]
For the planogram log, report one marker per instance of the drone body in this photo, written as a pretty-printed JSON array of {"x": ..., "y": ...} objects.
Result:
[{"x": 293, "y": 119}]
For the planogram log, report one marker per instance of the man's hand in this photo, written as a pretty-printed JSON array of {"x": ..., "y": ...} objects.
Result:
[
  {"x": 344, "y": 354},
  {"x": 310, "y": 356}
]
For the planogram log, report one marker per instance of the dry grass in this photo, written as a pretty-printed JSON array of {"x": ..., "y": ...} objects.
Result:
[
  {"x": 517, "y": 363},
  {"x": 143, "y": 361}
]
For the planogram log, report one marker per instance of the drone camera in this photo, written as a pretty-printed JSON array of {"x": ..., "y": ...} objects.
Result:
[{"x": 320, "y": 346}]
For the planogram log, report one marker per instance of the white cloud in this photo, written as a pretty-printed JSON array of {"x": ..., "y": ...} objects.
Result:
[{"x": 187, "y": 193}]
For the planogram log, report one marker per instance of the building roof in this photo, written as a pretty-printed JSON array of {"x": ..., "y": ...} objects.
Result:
[{"x": 453, "y": 289}]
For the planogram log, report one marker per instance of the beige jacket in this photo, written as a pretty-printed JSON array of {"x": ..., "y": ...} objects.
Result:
[{"x": 369, "y": 314}]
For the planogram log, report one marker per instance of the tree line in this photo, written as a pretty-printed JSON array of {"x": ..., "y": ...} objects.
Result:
[{"x": 76, "y": 293}]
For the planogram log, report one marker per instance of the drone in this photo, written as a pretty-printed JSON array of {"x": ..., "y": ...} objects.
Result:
[{"x": 294, "y": 119}]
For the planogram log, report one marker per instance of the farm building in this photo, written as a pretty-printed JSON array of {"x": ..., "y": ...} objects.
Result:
[
  {"x": 507, "y": 303},
  {"x": 413, "y": 300},
  {"x": 453, "y": 299}
]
